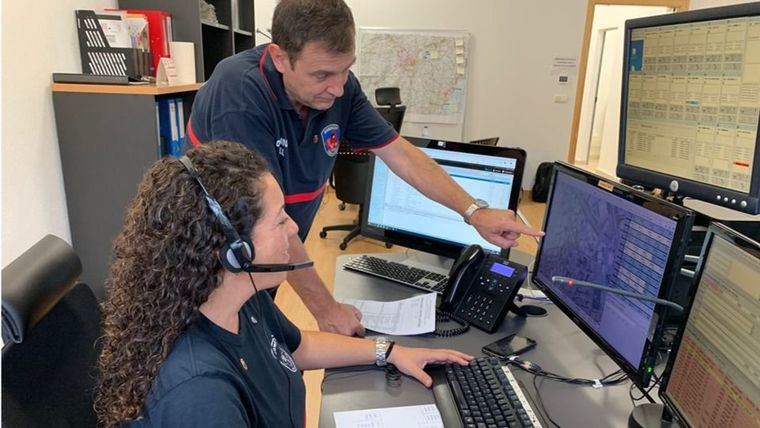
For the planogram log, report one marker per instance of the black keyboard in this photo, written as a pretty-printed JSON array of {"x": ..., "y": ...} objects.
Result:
[
  {"x": 483, "y": 394},
  {"x": 407, "y": 275}
]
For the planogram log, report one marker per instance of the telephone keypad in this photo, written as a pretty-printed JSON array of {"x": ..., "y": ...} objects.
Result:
[{"x": 490, "y": 293}]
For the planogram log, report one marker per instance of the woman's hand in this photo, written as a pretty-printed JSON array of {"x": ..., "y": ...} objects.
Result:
[{"x": 411, "y": 361}]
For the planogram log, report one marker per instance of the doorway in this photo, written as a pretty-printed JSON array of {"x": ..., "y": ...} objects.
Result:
[
  {"x": 589, "y": 137},
  {"x": 596, "y": 116}
]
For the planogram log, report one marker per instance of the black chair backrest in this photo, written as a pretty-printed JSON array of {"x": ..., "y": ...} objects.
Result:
[
  {"x": 48, "y": 372},
  {"x": 486, "y": 141},
  {"x": 394, "y": 115},
  {"x": 388, "y": 101},
  {"x": 350, "y": 173}
]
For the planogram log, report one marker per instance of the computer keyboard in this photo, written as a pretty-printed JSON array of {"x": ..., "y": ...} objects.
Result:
[
  {"x": 407, "y": 275},
  {"x": 484, "y": 393}
]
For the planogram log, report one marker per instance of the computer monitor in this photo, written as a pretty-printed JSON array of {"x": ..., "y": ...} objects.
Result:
[
  {"x": 607, "y": 233},
  {"x": 713, "y": 374},
  {"x": 396, "y": 213},
  {"x": 690, "y": 105}
]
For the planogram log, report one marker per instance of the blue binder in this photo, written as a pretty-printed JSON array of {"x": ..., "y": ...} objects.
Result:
[{"x": 168, "y": 125}]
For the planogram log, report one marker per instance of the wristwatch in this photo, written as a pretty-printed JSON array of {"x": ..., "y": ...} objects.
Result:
[
  {"x": 474, "y": 206},
  {"x": 381, "y": 350}
]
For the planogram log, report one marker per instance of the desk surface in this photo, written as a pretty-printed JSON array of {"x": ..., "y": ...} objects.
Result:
[{"x": 562, "y": 348}]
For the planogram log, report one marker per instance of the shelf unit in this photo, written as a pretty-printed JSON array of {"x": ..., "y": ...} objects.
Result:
[
  {"x": 214, "y": 41},
  {"x": 108, "y": 137}
]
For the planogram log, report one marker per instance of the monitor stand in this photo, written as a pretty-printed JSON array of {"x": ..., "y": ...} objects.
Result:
[
  {"x": 427, "y": 261},
  {"x": 527, "y": 310},
  {"x": 651, "y": 415},
  {"x": 524, "y": 311}
]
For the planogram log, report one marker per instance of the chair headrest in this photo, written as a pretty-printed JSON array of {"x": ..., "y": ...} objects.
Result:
[
  {"x": 388, "y": 96},
  {"x": 34, "y": 283}
]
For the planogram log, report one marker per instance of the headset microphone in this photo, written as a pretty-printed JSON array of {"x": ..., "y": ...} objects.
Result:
[{"x": 250, "y": 267}]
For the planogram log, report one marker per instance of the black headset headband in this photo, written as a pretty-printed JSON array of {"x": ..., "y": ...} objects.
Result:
[{"x": 229, "y": 231}]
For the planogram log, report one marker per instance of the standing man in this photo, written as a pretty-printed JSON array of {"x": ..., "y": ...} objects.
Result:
[{"x": 293, "y": 101}]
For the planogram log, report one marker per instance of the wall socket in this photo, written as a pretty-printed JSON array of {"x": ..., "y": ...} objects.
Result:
[
  {"x": 560, "y": 98},
  {"x": 425, "y": 131}
]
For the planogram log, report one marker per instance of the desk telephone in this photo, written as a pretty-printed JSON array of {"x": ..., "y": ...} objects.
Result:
[{"x": 481, "y": 288}]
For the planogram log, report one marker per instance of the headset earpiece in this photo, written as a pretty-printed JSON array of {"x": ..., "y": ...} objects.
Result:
[{"x": 236, "y": 255}]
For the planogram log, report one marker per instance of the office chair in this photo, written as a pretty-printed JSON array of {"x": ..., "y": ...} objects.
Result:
[
  {"x": 349, "y": 177},
  {"x": 389, "y": 106},
  {"x": 50, "y": 323},
  {"x": 486, "y": 141}
]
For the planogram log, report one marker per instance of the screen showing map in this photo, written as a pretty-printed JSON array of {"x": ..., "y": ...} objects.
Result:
[
  {"x": 693, "y": 100},
  {"x": 598, "y": 236}
]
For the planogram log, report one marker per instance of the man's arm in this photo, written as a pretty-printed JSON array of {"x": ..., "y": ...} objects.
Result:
[
  {"x": 331, "y": 315},
  {"x": 416, "y": 168}
]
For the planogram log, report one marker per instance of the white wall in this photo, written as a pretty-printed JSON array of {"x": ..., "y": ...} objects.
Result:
[
  {"x": 510, "y": 86},
  {"x": 37, "y": 41}
]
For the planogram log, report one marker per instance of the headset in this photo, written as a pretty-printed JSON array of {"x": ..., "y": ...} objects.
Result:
[{"x": 237, "y": 253}]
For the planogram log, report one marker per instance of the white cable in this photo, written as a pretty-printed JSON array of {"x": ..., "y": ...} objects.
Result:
[{"x": 527, "y": 223}]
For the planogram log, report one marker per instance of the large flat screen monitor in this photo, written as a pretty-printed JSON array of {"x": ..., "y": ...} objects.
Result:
[
  {"x": 610, "y": 234},
  {"x": 396, "y": 213},
  {"x": 690, "y": 105},
  {"x": 713, "y": 374}
]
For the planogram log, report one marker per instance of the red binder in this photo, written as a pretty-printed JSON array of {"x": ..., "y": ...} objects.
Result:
[{"x": 159, "y": 31}]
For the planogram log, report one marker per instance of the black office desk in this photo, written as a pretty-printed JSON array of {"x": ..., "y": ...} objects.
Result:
[{"x": 562, "y": 348}]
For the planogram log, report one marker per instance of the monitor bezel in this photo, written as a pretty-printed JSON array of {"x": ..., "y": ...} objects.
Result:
[
  {"x": 686, "y": 187},
  {"x": 735, "y": 238},
  {"x": 435, "y": 246},
  {"x": 684, "y": 221}
]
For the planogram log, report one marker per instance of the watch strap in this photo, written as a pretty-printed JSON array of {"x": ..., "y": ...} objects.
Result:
[
  {"x": 474, "y": 206},
  {"x": 381, "y": 348}
]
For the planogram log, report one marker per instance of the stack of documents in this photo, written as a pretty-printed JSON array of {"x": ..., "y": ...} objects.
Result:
[{"x": 415, "y": 315}]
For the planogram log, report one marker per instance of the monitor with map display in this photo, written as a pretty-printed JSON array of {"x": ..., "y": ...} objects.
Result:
[
  {"x": 690, "y": 105},
  {"x": 607, "y": 233}
]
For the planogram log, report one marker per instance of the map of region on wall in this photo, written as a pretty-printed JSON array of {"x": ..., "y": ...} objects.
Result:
[{"x": 429, "y": 67}]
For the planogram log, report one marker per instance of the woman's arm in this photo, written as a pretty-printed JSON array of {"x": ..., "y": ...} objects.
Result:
[{"x": 326, "y": 350}]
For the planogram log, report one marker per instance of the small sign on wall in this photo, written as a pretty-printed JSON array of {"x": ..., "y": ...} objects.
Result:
[{"x": 563, "y": 67}]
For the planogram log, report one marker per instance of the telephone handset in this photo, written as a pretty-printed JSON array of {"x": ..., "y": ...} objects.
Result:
[{"x": 481, "y": 288}]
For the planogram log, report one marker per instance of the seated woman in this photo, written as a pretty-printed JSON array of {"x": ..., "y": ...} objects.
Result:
[{"x": 190, "y": 339}]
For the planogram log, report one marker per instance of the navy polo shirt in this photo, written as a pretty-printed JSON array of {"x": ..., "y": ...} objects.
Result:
[{"x": 245, "y": 101}]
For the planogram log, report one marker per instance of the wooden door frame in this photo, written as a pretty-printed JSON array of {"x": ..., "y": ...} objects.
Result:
[{"x": 678, "y": 5}]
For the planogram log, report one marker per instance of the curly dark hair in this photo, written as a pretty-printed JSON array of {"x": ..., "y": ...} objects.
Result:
[
  {"x": 165, "y": 265},
  {"x": 297, "y": 22}
]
